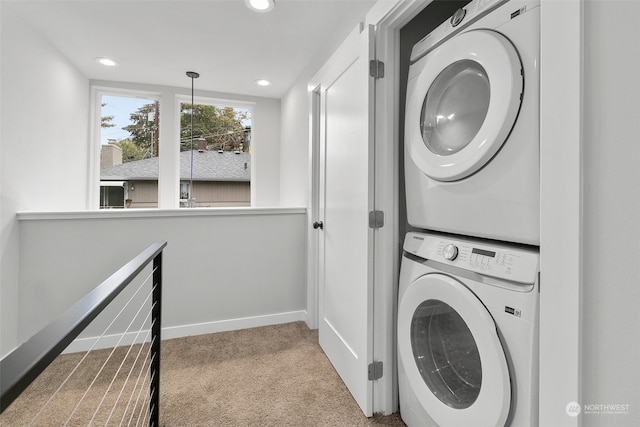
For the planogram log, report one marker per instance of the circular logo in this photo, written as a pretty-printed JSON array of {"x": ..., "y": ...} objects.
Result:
[{"x": 573, "y": 409}]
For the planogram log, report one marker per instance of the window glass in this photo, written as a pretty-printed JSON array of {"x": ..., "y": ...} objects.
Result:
[
  {"x": 446, "y": 354},
  {"x": 112, "y": 195},
  {"x": 455, "y": 107},
  {"x": 215, "y": 155},
  {"x": 129, "y": 151}
]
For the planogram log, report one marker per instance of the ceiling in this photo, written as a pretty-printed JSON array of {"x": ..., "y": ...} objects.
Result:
[{"x": 157, "y": 41}]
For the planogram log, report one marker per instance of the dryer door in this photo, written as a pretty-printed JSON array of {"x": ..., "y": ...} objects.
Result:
[
  {"x": 463, "y": 104},
  {"x": 452, "y": 355}
]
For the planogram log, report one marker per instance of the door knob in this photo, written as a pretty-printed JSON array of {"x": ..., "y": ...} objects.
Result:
[{"x": 318, "y": 224}]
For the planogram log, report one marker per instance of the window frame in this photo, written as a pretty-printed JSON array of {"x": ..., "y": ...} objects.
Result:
[
  {"x": 169, "y": 99},
  {"x": 97, "y": 92},
  {"x": 216, "y": 102}
]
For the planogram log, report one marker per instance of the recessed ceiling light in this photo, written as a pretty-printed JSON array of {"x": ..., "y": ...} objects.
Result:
[
  {"x": 263, "y": 82},
  {"x": 261, "y": 5},
  {"x": 106, "y": 61}
]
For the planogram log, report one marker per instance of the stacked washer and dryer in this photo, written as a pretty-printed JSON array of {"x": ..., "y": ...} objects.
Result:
[{"x": 469, "y": 281}]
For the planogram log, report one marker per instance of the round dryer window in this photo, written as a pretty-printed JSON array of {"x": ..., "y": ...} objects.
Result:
[
  {"x": 455, "y": 107},
  {"x": 462, "y": 104},
  {"x": 451, "y": 353},
  {"x": 446, "y": 354}
]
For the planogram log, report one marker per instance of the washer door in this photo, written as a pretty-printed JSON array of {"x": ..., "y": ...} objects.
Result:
[
  {"x": 463, "y": 104},
  {"x": 452, "y": 355}
]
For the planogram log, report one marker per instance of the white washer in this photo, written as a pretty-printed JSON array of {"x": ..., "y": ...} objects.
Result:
[
  {"x": 472, "y": 124},
  {"x": 467, "y": 333}
]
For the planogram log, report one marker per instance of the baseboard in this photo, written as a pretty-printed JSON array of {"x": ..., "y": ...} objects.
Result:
[
  {"x": 170, "y": 332},
  {"x": 232, "y": 324},
  {"x": 107, "y": 341}
]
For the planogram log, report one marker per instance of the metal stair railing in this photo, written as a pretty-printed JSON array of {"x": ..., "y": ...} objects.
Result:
[{"x": 22, "y": 366}]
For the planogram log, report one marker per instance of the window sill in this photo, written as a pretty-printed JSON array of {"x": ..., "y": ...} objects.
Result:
[{"x": 156, "y": 213}]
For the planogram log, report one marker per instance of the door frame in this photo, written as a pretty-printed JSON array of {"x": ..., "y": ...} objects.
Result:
[
  {"x": 561, "y": 191},
  {"x": 313, "y": 212},
  {"x": 388, "y": 241}
]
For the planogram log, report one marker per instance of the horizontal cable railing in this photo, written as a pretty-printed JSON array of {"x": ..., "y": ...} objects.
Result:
[{"x": 23, "y": 365}]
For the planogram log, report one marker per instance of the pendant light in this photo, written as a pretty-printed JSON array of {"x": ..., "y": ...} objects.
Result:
[{"x": 192, "y": 201}]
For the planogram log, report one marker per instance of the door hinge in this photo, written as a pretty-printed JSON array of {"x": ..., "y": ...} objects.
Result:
[
  {"x": 376, "y": 219},
  {"x": 376, "y": 68},
  {"x": 375, "y": 371}
]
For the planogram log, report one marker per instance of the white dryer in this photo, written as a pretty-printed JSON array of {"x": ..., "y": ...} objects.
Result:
[
  {"x": 467, "y": 333},
  {"x": 472, "y": 124}
]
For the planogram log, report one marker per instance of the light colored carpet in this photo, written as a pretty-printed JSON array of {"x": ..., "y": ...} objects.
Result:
[{"x": 268, "y": 376}]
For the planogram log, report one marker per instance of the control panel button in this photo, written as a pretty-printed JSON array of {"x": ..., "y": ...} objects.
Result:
[
  {"x": 450, "y": 252},
  {"x": 457, "y": 17}
]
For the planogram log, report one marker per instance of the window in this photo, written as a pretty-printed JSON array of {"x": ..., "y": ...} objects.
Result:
[
  {"x": 211, "y": 169},
  {"x": 129, "y": 151},
  {"x": 215, "y": 154},
  {"x": 113, "y": 194}
]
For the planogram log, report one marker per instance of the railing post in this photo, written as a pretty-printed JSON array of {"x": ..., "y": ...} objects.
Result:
[{"x": 156, "y": 316}]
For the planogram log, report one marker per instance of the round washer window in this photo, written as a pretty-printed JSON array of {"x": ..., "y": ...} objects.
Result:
[
  {"x": 455, "y": 107},
  {"x": 446, "y": 354}
]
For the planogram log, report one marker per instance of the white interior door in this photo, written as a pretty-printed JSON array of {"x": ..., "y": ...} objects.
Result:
[{"x": 345, "y": 280}]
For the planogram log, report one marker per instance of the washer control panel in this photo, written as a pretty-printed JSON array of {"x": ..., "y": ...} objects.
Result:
[
  {"x": 461, "y": 18},
  {"x": 502, "y": 261}
]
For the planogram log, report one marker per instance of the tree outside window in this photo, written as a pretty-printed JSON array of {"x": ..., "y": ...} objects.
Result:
[
  {"x": 129, "y": 152},
  {"x": 223, "y": 128},
  {"x": 215, "y": 166}
]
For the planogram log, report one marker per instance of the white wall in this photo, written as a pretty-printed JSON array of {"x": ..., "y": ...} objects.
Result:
[
  {"x": 265, "y": 151},
  {"x": 43, "y": 145},
  {"x": 220, "y": 266},
  {"x": 611, "y": 287},
  {"x": 294, "y": 149},
  {"x": 294, "y": 146}
]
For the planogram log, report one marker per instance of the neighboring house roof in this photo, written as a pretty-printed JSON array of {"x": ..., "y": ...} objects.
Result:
[{"x": 207, "y": 166}]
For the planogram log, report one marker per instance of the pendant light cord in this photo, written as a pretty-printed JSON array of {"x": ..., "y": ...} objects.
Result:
[
  {"x": 191, "y": 171},
  {"x": 191, "y": 201}
]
